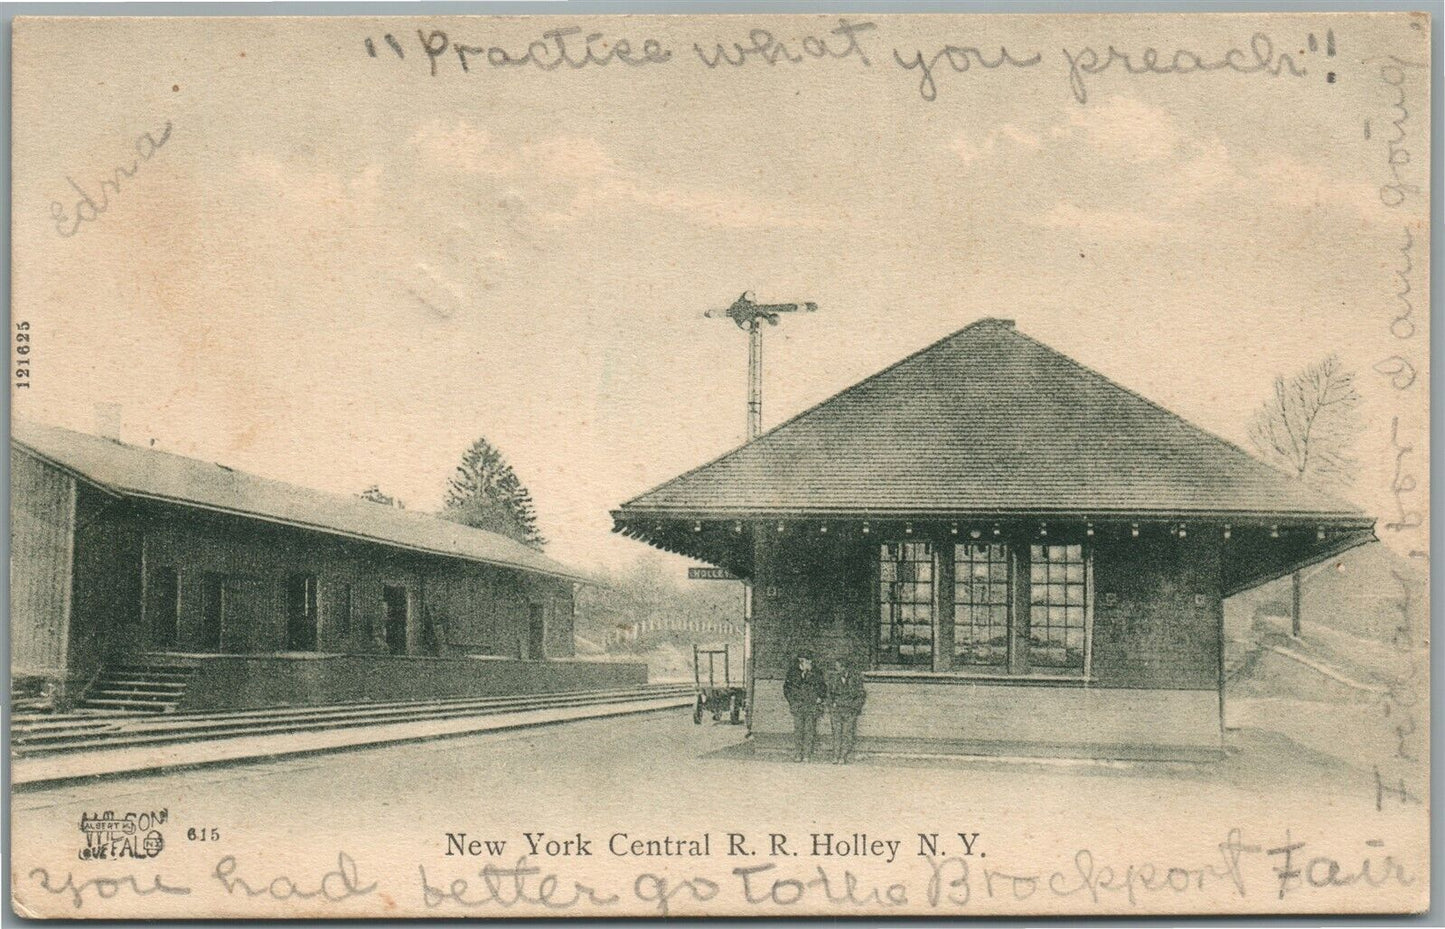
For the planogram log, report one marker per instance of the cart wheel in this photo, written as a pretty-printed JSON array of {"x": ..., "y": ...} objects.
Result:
[
  {"x": 697, "y": 712},
  {"x": 735, "y": 710}
]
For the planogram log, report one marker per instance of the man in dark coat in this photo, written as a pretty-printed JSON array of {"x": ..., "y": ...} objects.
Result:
[
  {"x": 806, "y": 692},
  {"x": 845, "y": 702}
]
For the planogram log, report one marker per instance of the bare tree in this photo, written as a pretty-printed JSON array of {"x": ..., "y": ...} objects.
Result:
[{"x": 1308, "y": 427}]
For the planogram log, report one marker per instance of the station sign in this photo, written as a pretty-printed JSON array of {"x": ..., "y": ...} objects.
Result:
[{"x": 711, "y": 574}]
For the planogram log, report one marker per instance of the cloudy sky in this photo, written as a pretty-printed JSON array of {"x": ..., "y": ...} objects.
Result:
[{"x": 340, "y": 269}]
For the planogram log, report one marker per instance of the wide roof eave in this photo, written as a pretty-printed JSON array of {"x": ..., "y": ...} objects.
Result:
[{"x": 626, "y": 512}]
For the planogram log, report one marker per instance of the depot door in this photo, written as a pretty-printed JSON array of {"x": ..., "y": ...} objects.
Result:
[
  {"x": 536, "y": 632},
  {"x": 302, "y": 613},
  {"x": 163, "y": 608},
  {"x": 396, "y": 618}
]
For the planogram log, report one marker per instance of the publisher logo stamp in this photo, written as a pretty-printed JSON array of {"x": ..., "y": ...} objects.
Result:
[{"x": 110, "y": 835}]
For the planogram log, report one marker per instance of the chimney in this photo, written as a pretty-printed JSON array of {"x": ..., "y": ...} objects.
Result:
[{"x": 107, "y": 421}]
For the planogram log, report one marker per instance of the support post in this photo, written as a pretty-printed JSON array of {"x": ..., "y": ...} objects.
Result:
[
  {"x": 755, "y": 428},
  {"x": 944, "y": 607},
  {"x": 1296, "y": 595},
  {"x": 749, "y": 664},
  {"x": 755, "y": 379},
  {"x": 749, "y": 315}
]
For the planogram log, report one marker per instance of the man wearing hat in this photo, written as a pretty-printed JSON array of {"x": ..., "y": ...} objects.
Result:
[{"x": 806, "y": 692}]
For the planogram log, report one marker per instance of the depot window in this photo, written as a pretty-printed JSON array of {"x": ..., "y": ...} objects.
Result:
[
  {"x": 1058, "y": 592},
  {"x": 906, "y": 613},
  {"x": 986, "y": 609},
  {"x": 982, "y": 605}
]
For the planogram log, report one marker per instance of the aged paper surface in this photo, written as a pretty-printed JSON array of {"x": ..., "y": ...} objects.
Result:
[{"x": 819, "y": 465}]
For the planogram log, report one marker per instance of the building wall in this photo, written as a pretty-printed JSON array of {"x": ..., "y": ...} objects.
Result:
[
  {"x": 1164, "y": 628},
  {"x": 253, "y": 560},
  {"x": 454, "y": 607},
  {"x": 1157, "y": 629},
  {"x": 485, "y": 610},
  {"x": 106, "y": 598},
  {"x": 42, "y": 523},
  {"x": 811, "y": 595},
  {"x": 249, "y": 681}
]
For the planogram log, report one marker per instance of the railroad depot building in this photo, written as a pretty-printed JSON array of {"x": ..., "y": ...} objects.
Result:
[
  {"x": 263, "y": 593},
  {"x": 1022, "y": 555}
]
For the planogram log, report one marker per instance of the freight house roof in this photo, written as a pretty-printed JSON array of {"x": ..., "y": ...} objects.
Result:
[
  {"x": 143, "y": 473},
  {"x": 989, "y": 421}
]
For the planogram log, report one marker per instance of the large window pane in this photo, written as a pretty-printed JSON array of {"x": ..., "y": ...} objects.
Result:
[
  {"x": 981, "y": 605},
  {"x": 1057, "y": 593},
  {"x": 905, "y": 603}
]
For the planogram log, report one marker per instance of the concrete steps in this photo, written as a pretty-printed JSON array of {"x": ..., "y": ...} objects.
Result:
[
  {"x": 141, "y": 686},
  {"x": 36, "y": 736}
]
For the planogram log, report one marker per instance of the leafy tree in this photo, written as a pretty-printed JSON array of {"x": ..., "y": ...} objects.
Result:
[
  {"x": 1308, "y": 427},
  {"x": 485, "y": 493},
  {"x": 375, "y": 494}
]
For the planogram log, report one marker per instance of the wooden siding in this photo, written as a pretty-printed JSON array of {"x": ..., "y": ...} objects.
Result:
[
  {"x": 42, "y": 527},
  {"x": 1157, "y": 604},
  {"x": 242, "y": 681},
  {"x": 811, "y": 595},
  {"x": 1158, "y": 611},
  {"x": 485, "y": 610},
  {"x": 455, "y": 607},
  {"x": 105, "y": 612},
  {"x": 255, "y": 560}
]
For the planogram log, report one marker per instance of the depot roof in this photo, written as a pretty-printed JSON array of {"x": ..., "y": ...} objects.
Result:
[
  {"x": 988, "y": 421},
  {"x": 143, "y": 473}
]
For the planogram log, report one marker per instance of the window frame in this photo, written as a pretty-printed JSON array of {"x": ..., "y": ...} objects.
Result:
[
  {"x": 894, "y": 648},
  {"x": 1006, "y": 559},
  {"x": 1084, "y": 584},
  {"x": 1017, "y": 666}
]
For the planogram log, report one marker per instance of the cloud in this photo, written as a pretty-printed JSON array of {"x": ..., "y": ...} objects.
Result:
[
  {"x": 1198, "y": 167},
  {"x": 308, "y": 195},
  {"x": 970, "y": 152},
  {"x": 434, "y": 291},
  {"x": 1118, "y": 128},
  {"x": 1126, "y": 129},
  {"x": 1181, "y": 176},
  {"x": 570, "y": 177},
  {"x": 464, "y": 147},
  {"x": 1208, "y": 166},
  {"x": 577, "y": 157}
]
